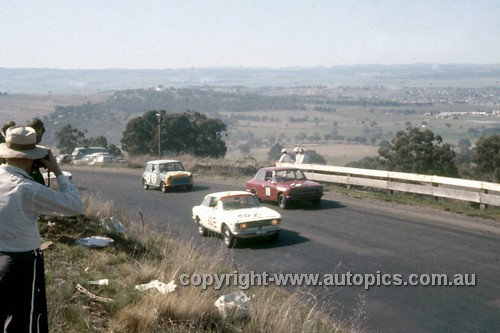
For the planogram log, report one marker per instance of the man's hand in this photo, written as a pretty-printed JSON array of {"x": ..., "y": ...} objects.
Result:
[{"x": 51, "y": 164}]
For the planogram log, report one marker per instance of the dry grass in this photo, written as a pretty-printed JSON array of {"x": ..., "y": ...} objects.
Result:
[{"x": 139, "y": 257}]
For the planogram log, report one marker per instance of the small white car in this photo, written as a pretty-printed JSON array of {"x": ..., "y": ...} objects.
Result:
[
  {"x": 166, "y": 174},
  {"x": 236, "y": 214},
  {"x": 53, "y": 176}
]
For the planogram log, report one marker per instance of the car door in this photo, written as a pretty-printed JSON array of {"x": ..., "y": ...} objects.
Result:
[
  {"x": 213, "y": 215},
  {"x": 272, "y": 191},
  {"x": 265, "y": 189},
  {"x": 155, "y": 175}
]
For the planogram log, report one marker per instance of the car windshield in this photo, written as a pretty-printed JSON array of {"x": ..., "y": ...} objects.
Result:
[
  {"x": 240, "y": 202},
  {"x": 174, "y": 166},
  {"x": 289, "y": 175}
]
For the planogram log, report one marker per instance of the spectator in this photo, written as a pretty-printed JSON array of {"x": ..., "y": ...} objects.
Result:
[
  {"x": 23, "y": 304},
  {"x": 35, "y": 173},
  {"x": 285, "y": 157},
  {"x": 305, "y": 159},
  {"x": 2, "y": 137},
  {"x": 296, "y": 151}
]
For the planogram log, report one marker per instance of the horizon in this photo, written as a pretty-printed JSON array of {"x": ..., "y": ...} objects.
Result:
[{"x": 260, "y": 68}]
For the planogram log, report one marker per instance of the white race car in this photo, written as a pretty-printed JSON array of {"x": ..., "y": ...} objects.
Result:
[{"x": 236, "y": 214}]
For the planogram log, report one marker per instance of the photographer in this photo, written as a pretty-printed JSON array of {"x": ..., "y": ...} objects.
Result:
[
  {"x": 23, "y": 305},
  {"x": 35, "y": 173}
]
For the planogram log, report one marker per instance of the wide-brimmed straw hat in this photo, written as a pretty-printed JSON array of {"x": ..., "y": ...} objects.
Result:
[{"x": 20, "y": 142}]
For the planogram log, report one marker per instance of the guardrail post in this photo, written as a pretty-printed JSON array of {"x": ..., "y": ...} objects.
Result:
[
  {"x": 435, "y": 185},
  {"x": 483, "y": 205},
  {"x": 349, "y": 180}
]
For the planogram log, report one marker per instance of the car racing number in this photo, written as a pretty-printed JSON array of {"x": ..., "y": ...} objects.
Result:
[
  {"x": 151, "y": 178},
  {"x": 268, "y": 191}
]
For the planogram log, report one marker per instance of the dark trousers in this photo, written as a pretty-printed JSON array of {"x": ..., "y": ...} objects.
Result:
[{"x": 23, "y": 303}]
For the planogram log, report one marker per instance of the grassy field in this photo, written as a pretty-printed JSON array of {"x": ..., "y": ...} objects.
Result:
[
  {"x": 379, "y": 123},
  {"x": 334, "y": 153}
]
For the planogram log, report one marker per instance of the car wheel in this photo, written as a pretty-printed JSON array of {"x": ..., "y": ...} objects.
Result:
[
  {"x": 229, "y": 239},
  {"x": 274, "y": 237},
  {"x": 316, "y": 202},
  {"x": 282, "y": 201},
  {"x": 163, "y": 187},
  {"x": 144, "y": 185},
  {"x": 201, "y": 229}
]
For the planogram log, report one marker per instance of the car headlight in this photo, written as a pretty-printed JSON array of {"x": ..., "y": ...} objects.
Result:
[
  {"x": 242, "y": 226},
  {"x": 275, "y": 222}
]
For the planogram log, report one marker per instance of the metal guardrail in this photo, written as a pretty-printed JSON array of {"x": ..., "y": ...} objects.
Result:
[{"x": 484, "y": 193}]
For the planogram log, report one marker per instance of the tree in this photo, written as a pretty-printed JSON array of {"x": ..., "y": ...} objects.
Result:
[
  {"x": 245, "y": 148},
  {"x": 99, "y": 141},
  {"x": 366, "y": 163},
  {"x": 140, "y": 133},
  {"x": 384, "y": 143},
  {"x": 114, "y": 150},
  {"x": 274, "y": 153},
  {"x": 68, "y": 138},
  {"x": 419, "y": 152},
  {"x": 315, "y": 157},
  {"x": 189, "y": 132},
  {"x": 487, "y": 158},
  {"x": 464, "y": 144}
]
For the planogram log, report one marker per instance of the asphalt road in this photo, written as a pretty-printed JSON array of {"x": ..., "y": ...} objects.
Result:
[{"x": 346, "y": 235}]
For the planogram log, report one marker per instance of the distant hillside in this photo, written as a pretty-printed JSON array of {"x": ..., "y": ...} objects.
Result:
[
  {"x": 111, "y": 116},
  {"x": 52, "y": 81}
]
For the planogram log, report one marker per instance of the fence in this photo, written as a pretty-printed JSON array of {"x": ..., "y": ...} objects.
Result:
[{"x": 480, "y": 192}]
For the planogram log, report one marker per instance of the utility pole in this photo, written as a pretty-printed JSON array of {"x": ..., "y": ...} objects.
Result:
[{"x": 158, "y": 115}]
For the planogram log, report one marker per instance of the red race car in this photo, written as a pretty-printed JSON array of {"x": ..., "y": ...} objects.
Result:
[{"x": 284, "y": 185}]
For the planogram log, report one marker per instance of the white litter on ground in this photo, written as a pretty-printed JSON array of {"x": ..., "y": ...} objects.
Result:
[
  {"x": 162, "y": 287},
  {"x": 113, "y": 224},
  {"x": 236, "y": 305},
  {"x": 95, "y": 241}
]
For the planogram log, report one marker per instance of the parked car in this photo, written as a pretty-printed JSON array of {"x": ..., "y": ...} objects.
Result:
[
  {"x": 64, "y": 158},
  {"x": 102, "y": 158},
  {"x": 284, "y": 185},
  {"x": 80, "y": 152},
  {"x": 236, "y": 214},
  {"x": 85, "y": 160},
  {"x": 166, "y": 174}
]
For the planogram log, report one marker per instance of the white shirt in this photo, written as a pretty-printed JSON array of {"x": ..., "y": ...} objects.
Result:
[
  {"x": 285, "y": 158},
  {"x": 21, "y": 201},
  {"x": 299, "y": 158}
]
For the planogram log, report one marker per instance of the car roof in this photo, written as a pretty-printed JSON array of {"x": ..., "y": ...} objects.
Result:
[
  {"x": 162, "y": 161},
  {"x": 228, "y": 194},
  {"x": 278, "y": 168},
  {"x": 100, "y": 154}
]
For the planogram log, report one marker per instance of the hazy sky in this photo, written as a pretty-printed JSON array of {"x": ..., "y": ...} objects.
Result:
[{"x": 100, "y": 34}]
